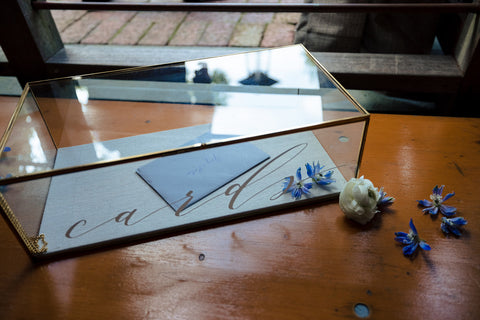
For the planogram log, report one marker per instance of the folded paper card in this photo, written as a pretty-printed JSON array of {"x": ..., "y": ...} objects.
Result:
[{"x": 186, "y": 178}]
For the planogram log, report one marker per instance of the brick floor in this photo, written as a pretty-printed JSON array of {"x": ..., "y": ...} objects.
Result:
[
  {"x": 257, "y": 17},
  {"x": 178, "y": 28},
  {"x": 81, "y": 28},
  {"x": 131, "y": 33},
  {"x": 189, "y": 33},
  {"x": 64, "y": 18},
  {"x": 287, "y": 17},
  {"x": 278, "y": 34},
  {"x": 162, "y": 30},
  {"x": 108, "y": 27},
  {"x": 247, "y": 35},
  {"x": 218, "y": 33}
]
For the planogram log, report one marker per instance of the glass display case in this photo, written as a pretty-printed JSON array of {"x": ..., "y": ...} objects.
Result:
[{"x": 91, "y": 160}]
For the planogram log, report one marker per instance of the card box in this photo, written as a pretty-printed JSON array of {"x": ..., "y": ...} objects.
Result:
[{"x": 74, "y": 148}]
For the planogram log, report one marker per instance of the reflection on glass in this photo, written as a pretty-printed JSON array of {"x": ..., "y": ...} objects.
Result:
[
  {"x": 201, "y": 75},
  {"x": 101, "y": 151},
  {"x": 258, "y": 78},
  {"x": 250, "y": 114},
  {"x": 248, "y": 94},
  {"x": 287, "y": 67},
  {"x": 82, "y": 94},
  {"x": 36, "y": 151}
]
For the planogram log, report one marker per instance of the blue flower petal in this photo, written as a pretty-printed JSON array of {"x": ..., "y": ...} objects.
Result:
[
  {"x": 304, "y": 190},
  {"x": 455, "y": 231},
  {"x": 412, "y": 227},
  {"x": 299, "y": 174},
  {"x": 403, "y": 237},
  {"x": 427, "y": 210},
  {"x": 444, "y": 228},
  {"x": 325, "y": 182},
  {"x": 438, "y": 191},
  {"x": 424, "y": 245},
  {"x": 448, "y": 196},
  {"x": 287, "y": 184},
  {"x": 384, "y": 200},
  {"x": 447, "y": 210},
  {"x": 459, "y": 221},
  {"x": 387, "y": 200},
  {"x": 401, "y": 234},
  {"x": 425, "y": 203},
  {"x": 310, "y": 171},
  {"x": 296, "y": 193},
  {"x": 404, "y": 240},
  {"x": 410, "y": 249}
]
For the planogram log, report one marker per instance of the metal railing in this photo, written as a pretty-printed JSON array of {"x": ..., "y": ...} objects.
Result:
[{"x": 264, "y": 7}]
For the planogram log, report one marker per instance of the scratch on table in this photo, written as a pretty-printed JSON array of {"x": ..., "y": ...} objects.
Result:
[{"x": 458, "y": 168}]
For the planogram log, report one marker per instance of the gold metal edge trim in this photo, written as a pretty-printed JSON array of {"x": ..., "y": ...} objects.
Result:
[
  {"x": 362, "y": 146},
  {"x": 32, "y": 243}
]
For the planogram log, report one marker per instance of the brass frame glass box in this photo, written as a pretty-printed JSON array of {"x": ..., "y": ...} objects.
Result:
[{"x": 101, "y": 158}]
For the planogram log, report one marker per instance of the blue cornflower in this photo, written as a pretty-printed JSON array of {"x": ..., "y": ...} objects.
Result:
[
  {"x": 298, "y": 187},
  {"x": 383, "y": 200},
  {"x": 317, "y": 176},
  {"x": 412, "y": 240},
  {"x": 433, "y": 206},
  {"x": 452, "y": 225}
]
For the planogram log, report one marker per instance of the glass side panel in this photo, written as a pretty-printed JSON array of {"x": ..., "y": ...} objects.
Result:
[
  {"x": 231, "y": 97},
  {"x": 29, "y": 147},
  {"x": 101, "y": 206}
]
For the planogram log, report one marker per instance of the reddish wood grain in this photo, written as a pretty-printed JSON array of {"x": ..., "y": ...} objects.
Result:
[{"x": 307, "y": 263}]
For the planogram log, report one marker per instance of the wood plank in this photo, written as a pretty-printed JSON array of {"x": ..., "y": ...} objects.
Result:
[
  {"x": 467, "y": 53},
  {"x": 395, "y": 72},
  {"x": 94, "y": 58}
]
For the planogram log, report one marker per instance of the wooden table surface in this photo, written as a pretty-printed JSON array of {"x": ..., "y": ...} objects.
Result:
[{"x": 309, "y": 263}]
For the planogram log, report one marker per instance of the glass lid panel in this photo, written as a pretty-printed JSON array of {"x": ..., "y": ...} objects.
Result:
[{"x": 113, "y": 115}]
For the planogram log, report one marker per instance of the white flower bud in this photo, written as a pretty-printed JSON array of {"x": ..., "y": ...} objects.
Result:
[{"x": 358, "y": 200}]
